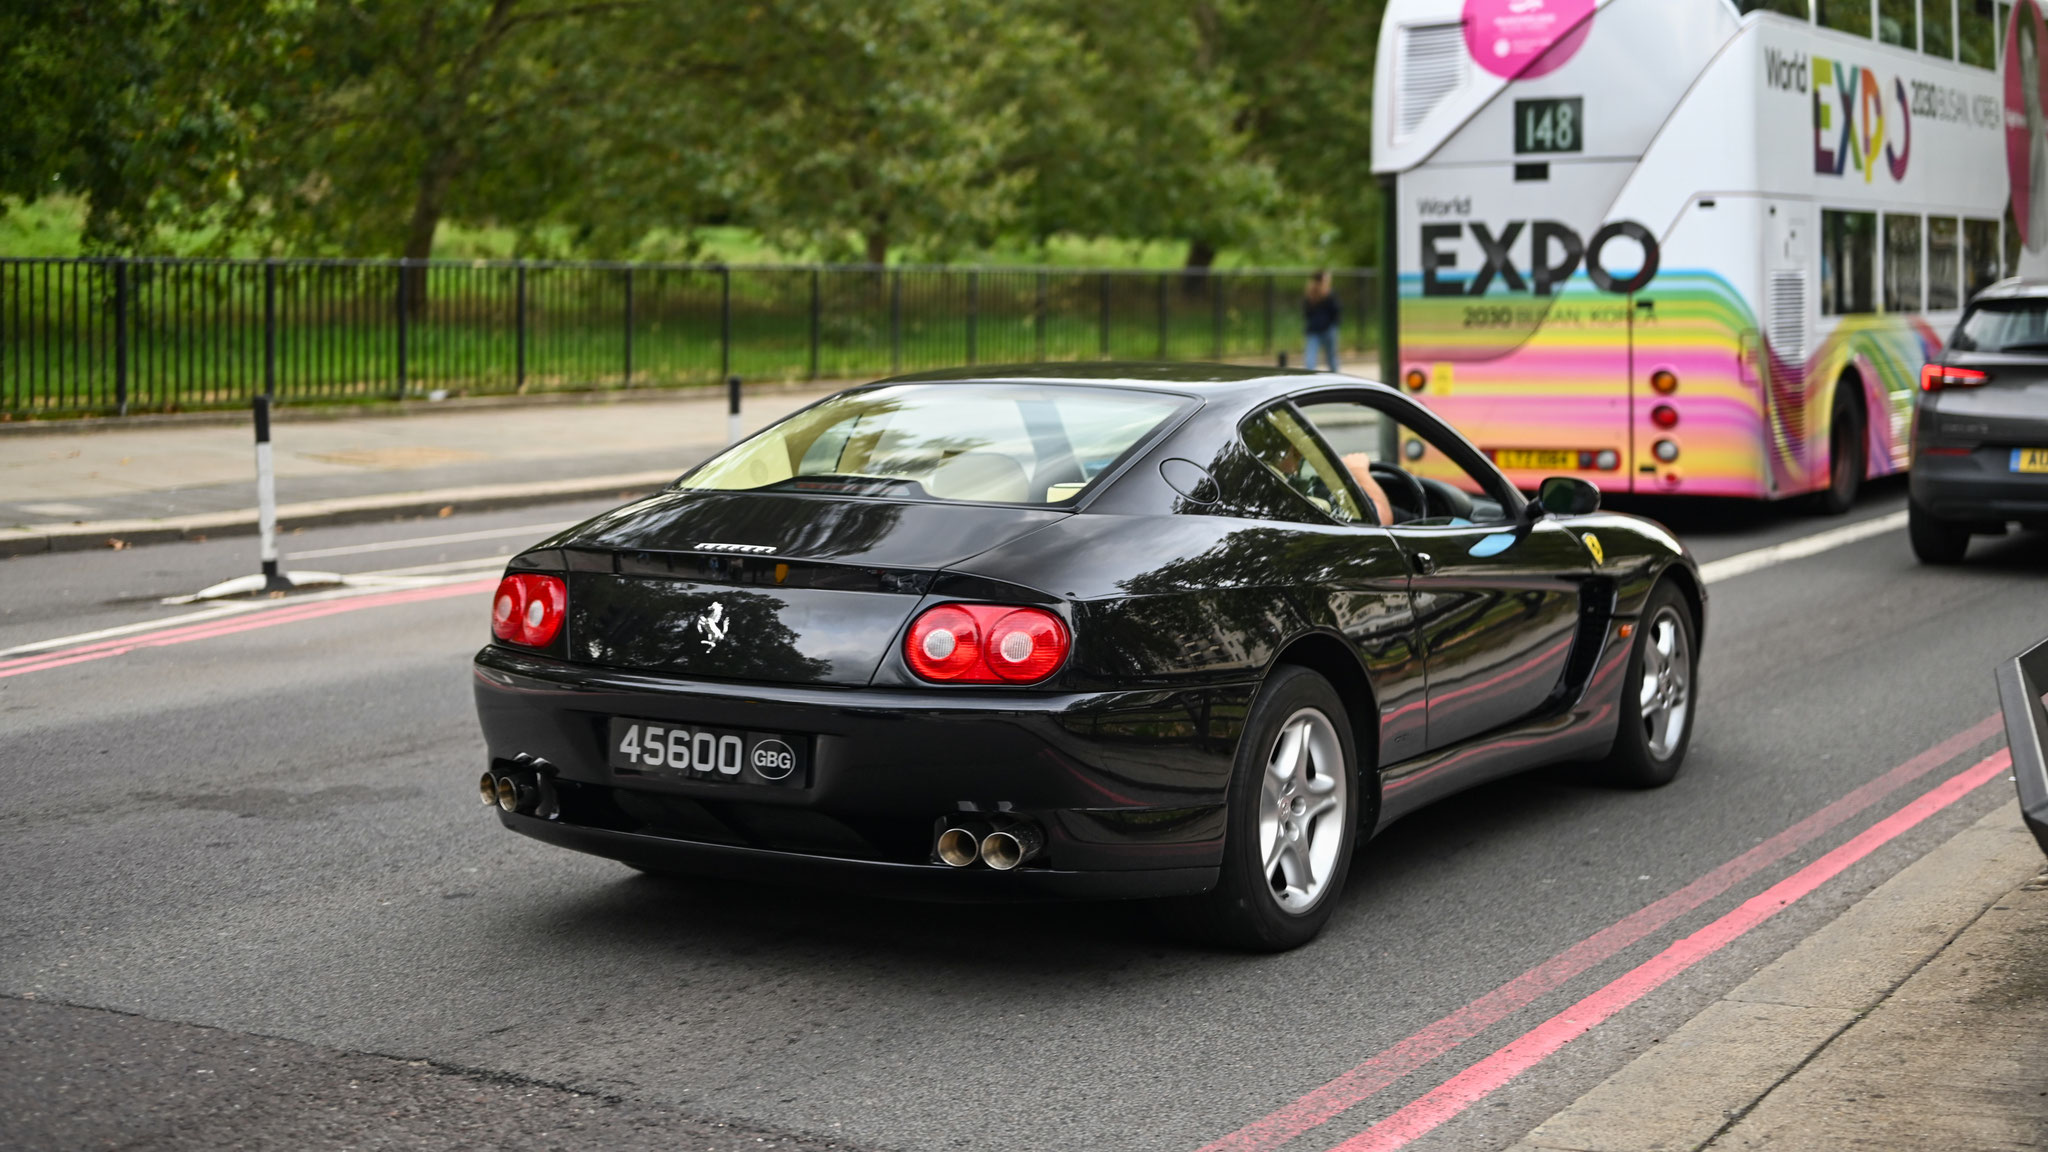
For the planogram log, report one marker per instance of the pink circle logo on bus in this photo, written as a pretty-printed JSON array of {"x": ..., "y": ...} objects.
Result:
[
  {"x": 1524, "y": 39},
  {"x": 2026, "y": 123}
]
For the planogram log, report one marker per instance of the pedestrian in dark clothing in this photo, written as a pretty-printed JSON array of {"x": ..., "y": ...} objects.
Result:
[{"x": 1319, "y": 321}]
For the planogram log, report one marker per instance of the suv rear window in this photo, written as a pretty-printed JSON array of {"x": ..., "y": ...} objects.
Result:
[{"x": 2003, "y": 326}]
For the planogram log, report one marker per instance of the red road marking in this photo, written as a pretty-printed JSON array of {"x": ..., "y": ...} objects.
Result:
[
  {"x": 1460, "y": 1092},
  {"x": 233, "y": 624},
  {"x": 1347, "y": 1090}
]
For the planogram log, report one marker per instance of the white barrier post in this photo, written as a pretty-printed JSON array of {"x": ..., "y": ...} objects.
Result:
[
  {"x": 271, "y": 580},
  {"x": 266, "y": 500}
]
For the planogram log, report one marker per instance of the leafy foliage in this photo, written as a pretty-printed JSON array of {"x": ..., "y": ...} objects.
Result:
[{"x": 854, "y": 130}]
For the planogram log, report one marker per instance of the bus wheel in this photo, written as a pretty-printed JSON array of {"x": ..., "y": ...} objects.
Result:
[{"x": 1848, "y": 453}]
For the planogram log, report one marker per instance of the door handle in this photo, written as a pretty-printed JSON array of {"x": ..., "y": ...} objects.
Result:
[{"x": 1425, "y": 564}]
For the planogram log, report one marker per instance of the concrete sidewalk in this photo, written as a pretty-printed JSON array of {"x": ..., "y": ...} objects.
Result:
[
  {"x": 156, "y": 480},
  {"x": 1917, "y": 1019}
]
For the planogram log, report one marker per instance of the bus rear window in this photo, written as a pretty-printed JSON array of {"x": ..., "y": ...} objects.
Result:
[{"x": 2003, "y": 326}]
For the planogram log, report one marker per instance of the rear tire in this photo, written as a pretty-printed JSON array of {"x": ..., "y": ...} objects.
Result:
[
  {"x": 1291, "y": 821},
  {"x": 1657, "y": 696},
  {"x": 1848, "y": 450},
  {"x": 1935, "y": 541}
]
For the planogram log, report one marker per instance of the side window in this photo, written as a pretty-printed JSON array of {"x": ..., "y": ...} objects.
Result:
[
  {"x": 1944, "y": 263},
  {"x": 1852, "y": 16},
  {"x": 1402, "y": 471},
  {"x": 1982, "y": 258},
  {"x": 1285, "y": 446},
  {"x": 1938, "y": 36},
  {"x": 1848, "y": 263},
  {"x": 1898, "y": 22},
  {"x": 1902, "y": 263},
  {"x": 1977, "y": 32}
]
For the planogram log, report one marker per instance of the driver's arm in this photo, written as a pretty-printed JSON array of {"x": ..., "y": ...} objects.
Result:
[{"x": 1360, "y": 466}]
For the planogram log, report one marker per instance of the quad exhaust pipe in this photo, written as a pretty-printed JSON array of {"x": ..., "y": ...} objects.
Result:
[
  {"x": 1002, "y": 846},
  {"x": 518, "y": 789},
  {"x": 1005, "y": 848}
]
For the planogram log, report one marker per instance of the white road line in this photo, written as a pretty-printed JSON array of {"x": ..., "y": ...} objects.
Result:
[
  {"x": 373, "y": 582},
  {"x": 1743, "y": 563},
  {"x": 483, "y": 564},
  {"x": 537, "y": 531}
]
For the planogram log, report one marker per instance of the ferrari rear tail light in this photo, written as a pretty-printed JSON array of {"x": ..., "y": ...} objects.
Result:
[
  {"x": 529, "y": 608},
  {"x": 1935, "y": 377},
  {"x": 945, "y": 644},
  {"x": 986, "y": 644}
]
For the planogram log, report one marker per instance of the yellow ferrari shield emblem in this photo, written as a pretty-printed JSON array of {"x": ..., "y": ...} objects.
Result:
[{"x": 1593, "y": 546}]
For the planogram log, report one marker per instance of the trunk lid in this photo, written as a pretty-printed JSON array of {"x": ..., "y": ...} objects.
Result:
[
  {"x": 2011, "y": 410},
  {"x": 765, "y": 586}
]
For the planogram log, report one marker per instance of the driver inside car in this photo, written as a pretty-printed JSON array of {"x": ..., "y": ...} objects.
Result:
[{"x": 1359, "y": 465}]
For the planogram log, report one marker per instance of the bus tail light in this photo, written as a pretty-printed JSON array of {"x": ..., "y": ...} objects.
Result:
[
  {"x": 1664, "y": 416},
  {"x": 1937, "y": 377},
  {"x": 1665, "y": 450},
  {"x": 1665, "y": 381},
  {"x": 1416, "y": 380}
]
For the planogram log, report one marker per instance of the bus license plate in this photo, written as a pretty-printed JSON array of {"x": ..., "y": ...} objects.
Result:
[
  {"x": 700, "y": 752},
  {"x": 2030, "y": 460},
  {"x": 1536, "y": 460}
]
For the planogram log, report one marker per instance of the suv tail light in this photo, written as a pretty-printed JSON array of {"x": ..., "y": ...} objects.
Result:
[
  {"x": 529, "y": 609},
  {"x": 986, "y": 644},
  {"x": 1935, "y": 377}
]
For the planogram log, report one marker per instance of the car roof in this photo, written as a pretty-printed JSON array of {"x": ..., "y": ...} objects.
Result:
[
  {"x": 1236, "y": 381},
  {"x": 2014, "y": 288}
]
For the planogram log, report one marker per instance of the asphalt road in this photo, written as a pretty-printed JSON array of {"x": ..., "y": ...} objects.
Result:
[{"x": 252, "y": 900}]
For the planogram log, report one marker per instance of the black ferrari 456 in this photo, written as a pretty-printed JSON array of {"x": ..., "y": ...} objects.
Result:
[{"x": 1186, "y": 633}]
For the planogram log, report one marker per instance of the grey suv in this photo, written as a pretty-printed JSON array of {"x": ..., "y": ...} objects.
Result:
[{"x": 1980, "y": 427}]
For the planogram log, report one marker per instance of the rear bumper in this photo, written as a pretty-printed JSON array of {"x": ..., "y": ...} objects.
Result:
[
  {"x": 1980, "y": 487},
  {"x": 2021, "y": 682},
  {"x": 1128, "y": 787},
  {"x": 934, "y": 882}
]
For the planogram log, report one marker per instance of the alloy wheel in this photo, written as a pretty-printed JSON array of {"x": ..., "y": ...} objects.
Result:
[
  {"x": 1301, "y": 811},
  {"x": 1666, "y": 696}
]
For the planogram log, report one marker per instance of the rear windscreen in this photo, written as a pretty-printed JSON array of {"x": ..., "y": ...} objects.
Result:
[
  {"x": 2003, "y": 326},
  {"x": 999, "y": 443}
]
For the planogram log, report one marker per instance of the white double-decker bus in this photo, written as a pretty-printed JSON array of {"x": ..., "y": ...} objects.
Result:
[{"x": 1698, "y": 246}]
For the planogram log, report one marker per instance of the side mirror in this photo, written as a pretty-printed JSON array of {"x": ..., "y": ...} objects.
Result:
[{"x": 1568, "y": 496}]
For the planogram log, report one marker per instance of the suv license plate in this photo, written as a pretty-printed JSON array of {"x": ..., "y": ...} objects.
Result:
[
  {"x": 2030, "y": 460},
  {"x": 673, "y": 751}
]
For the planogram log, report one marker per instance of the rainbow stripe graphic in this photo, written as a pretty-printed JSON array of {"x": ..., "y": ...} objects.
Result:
[{"x": 1525, "y": 373}]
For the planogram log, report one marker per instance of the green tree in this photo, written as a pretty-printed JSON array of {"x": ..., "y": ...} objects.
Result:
[
  {"x": 365, "y": 123},
  {"x": 83, "y": 111},
  {"x": 1135, "y": 130},
  {"x": 1302, "y": 70},
  {"x": 875, "y": 124}
]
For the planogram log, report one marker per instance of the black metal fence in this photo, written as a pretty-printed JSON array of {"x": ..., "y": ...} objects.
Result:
[{"x": 113, "y": 335}]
